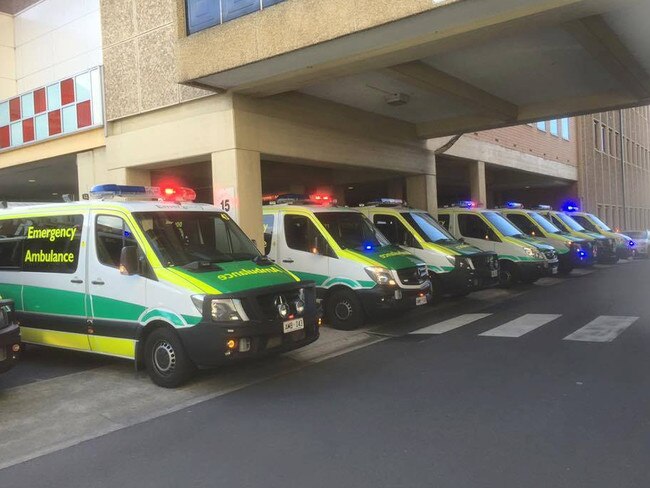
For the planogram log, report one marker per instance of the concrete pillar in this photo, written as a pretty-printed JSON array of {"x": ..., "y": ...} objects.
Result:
[
  {"x": 237, "y": 184},
  {"x": 478, "y": 187},
  {"x": 422, "y": 193},
  {"x": 92, "y": 170}
]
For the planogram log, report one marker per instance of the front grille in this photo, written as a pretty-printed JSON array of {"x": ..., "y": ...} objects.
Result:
[
  {"x": 485, "y": 261},
  {"x": 6, "y": 313},
  {"x": 412, "y": 276},
  {"x": 267, "y": 303},
  {"x": 550, "y": 254}
]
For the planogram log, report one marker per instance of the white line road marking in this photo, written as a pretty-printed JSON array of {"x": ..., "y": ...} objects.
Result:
[
  {"x": 520, "y": 326},
  {"x": 605, "y": 328},
  {"x": 582, "y": 272},
  {"x": 451, "y": 324},
  {"x": 549, "y": 281}
]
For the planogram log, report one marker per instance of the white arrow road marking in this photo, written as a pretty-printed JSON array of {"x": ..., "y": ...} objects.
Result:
[
  {"x": 451, "y": 324},
  {"x": 521, "y": 325},
  {"x": 605, "y": 328}
]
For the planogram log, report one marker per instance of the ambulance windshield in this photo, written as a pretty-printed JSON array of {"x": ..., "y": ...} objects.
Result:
[
  {"x": 572, "y": 224},
  {"x": 544, "y": 224},
  {"x": 186, "y": 238},
  {"x": 352, "y": 230},
  {"x": 428, "y": 228}
]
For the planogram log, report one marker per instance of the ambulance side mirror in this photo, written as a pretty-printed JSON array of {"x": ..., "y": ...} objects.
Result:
[{"x": 129, "y": 263}]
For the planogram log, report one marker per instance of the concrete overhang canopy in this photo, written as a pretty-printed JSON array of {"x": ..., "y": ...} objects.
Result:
[{"x": 472, "y": 64}]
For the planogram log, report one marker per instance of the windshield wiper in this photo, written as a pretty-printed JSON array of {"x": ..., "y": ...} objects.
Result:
[
  {"x": 202, "y": 266},
  {"x": 262, "y": 260}
]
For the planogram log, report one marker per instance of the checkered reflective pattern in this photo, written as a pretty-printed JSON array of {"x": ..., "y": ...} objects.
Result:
[{"x": 63, "y": 107}]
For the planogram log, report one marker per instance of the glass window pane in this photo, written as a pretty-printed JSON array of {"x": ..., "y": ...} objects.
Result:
[
  {"x": 553, "y": 125},
  {"x": 42, "y": 130},
  {"x": 28, "y": 105},
  {"x": 53, "y": 97},
  {"x": 565, "y": 129},
  {"x": 541, "y": 126},
  {"x": 82, "y": 84},
  {"x": 16, "y": 133},
  {"x": 4, "y": 113},
  {"x": 69, "y": 118},
  {"x": 96, "y": 87}
]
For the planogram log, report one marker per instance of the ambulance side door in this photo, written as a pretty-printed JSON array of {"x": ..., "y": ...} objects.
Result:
[
  {"x": 271, "y": 236},
  {"x": 302, "y": 248},
  {"x": 54, "y": 280},
  {"x": 116, "y": 300}
]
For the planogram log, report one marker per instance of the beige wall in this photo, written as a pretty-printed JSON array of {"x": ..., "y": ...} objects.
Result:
[
  {"x": 288, "y": 26},
  {"x": 140, "y": 71},
  {"x": 7, "y": 57},
  {"x": 55, "y": 39}
]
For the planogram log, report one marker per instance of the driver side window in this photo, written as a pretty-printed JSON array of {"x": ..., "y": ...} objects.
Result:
[
  {"x": 111, "y": 235},
  {"x": 301, "y": 234},
  {"x": 524, "y": 224},
  {"x": 394, "y": 230},
  {"x": 474, "y": 227}
]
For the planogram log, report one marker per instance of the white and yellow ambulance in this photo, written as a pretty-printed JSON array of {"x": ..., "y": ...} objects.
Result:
[
  {"x": 520, "y": 258},
  {"x": 357, "y": 271},
  {"x": 456, "y": 268},
  {"x": 171, "y": 284}
]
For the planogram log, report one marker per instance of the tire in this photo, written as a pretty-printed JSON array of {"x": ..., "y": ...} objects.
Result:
[
  {"x": 436, "y": 289},
  {"x": 167, "y": 362},
  {"x": 508, "y": 275},
  {"x": 565, "y": 270},
  {"x": 343, "y": 310}
]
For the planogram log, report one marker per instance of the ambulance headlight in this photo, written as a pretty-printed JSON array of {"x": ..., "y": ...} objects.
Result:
[
  {"x": 380, "y": 275},
  {"x": 300, "y": 307},
  {"x": 452, "y": 260},
  {"x": 533, "y": 253},
  {"x": 227, "y": 310}
]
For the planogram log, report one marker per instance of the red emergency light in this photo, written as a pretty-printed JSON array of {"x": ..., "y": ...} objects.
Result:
[
  {"x": 178, "y": 194},
  {"x": 321, "y": 199}
]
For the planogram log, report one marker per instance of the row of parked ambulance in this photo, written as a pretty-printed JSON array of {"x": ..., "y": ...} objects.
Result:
[{"x": 148, "y": 275}]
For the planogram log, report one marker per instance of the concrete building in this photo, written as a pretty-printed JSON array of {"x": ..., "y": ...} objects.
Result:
[
  {"x": 619, "y": 192},
  {"x": 237, "y": 98}
]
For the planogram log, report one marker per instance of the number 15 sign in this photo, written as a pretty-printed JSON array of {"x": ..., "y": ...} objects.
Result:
[{"x": 224, "y": 199}]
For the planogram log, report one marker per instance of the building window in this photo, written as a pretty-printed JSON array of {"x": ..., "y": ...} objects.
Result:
[
  {"x": 541, "y": 126},
  {"x": 596, "y": 135},
  {"x": 553, "y": 127},
  {"x": 203, "y": 14},
  {"x": 603, "y": 138},
  {"x": 564, "y": 123}
]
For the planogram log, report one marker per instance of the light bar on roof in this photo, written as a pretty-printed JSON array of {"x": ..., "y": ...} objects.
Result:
[{"x": 174, "y": 194}]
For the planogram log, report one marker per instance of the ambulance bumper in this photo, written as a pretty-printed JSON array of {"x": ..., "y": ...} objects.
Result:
[
  {"x": 392, "y": 298},
  {"x": 9, "y": 336},
  {"x": 213, "y": 343},
  {"x": 207, "y": 343}
]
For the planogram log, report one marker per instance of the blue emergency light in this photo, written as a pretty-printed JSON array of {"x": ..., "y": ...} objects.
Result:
[
  {"x": 571, "y": 207},
  {"x": 514, "y": 205}
]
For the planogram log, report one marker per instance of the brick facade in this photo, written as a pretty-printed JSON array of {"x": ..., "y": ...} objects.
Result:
[
  {"x": 600, "y": 182},
  {"x": 529, "y": 139}
]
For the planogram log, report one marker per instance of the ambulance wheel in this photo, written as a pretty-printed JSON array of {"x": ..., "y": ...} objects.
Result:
[
  {"x": 507, "y": 274},
  {"x": 167, "y": 362},
  {"x": 343, "y": 310},
  {"x": 436, "y": 289}
]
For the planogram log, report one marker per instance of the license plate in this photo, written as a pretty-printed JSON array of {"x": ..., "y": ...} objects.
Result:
[
  {"x": 293, "y": 325},
  {"x": 494, "y": 273},
  {"x": 554, "y": 271},
  {"x": 3, "y": 353},
  {"x": 421, "y": 300}
]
